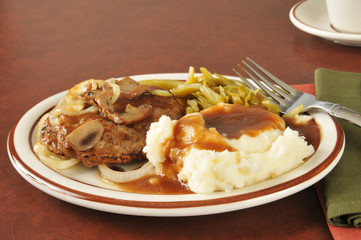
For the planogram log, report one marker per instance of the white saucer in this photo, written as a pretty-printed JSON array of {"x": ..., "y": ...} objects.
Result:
[{"x": 311, "y": 16}]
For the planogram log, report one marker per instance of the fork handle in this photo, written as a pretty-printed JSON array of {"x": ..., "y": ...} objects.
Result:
[{"x": 346, "y": 114}]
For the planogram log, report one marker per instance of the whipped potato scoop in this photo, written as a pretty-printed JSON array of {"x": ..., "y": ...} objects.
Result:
[{"x": 224, "y": 147}]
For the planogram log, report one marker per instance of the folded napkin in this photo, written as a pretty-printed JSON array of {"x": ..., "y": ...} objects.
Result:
[{"x": 342, "y": 186}]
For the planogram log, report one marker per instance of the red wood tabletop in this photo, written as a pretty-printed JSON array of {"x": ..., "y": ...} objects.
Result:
[{"x": 49, "y": 46}]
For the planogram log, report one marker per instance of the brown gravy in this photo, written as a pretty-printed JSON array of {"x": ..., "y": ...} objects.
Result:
[
  {"x": 156, "y": 184},
  {"x": 234, "y": 120},
  {"x": 228, "y": 122},
  {"x": 310, "y": 130}
]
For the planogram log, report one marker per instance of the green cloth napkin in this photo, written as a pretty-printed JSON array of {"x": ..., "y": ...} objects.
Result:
[{"x": 342, "y": 186}]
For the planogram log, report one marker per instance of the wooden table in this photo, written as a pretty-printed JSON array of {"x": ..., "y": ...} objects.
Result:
[{"x": 48, "y": 46}]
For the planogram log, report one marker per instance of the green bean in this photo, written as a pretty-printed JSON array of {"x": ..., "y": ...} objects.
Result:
[
  {"x": 166, "y": 84},
  {"x": 204, "y": 90},
  {"x": 185, "y": 90}
]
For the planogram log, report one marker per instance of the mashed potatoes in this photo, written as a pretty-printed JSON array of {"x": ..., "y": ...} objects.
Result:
[{"x": 208, "y": 160}]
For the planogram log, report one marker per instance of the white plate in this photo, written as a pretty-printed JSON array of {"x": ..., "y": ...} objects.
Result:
[
  {"x": 311, "y": 17},
  {"x": 83, "y": 186}
]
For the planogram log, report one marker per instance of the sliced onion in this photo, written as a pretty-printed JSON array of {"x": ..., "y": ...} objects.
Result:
[
  {"x": 80, "y": 88},
  {"x": 116, "y": 91},
  {"x": 59, "y": 111},
  {"x": 122, "y": 177},
  {"x": 53, "y": 160}
]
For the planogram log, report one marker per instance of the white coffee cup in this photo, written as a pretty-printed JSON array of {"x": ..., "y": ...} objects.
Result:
[{"x": 345, "y": 15}]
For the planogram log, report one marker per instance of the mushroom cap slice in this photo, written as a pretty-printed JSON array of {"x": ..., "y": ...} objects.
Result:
[
  {"x": 133, "y": 114},
  {"x": 86, "y": 135}
]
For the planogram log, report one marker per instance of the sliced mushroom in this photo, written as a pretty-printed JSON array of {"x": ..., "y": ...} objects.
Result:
[
  {"x": 134, "y": 114},
  {"x": 130, "y": 88},
  {"x": 86, "y": 135},
  {"x": 106, "y": 109},
  {"x": 103, "y": 100},
  {"x": 127, "y": 84}
]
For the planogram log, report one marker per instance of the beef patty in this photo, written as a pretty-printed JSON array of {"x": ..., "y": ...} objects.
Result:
[{"x": 113, "y": 134}]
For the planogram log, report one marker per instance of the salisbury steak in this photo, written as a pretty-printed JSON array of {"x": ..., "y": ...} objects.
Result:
[{"x": 105, "y": 122}]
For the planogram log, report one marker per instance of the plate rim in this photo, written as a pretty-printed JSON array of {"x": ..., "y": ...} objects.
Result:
[{"x": 171, "y": 208}]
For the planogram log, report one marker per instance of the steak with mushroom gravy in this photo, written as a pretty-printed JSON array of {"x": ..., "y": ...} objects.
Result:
[{"x": 114, "y": 134}]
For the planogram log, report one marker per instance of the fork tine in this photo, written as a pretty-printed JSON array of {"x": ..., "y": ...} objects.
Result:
[
  {"x": 252, "y": 86},
  {"x": 245, "y": 80},
  {"x": 264, "y": 87},
  {"x": 266, "y": 82},
  {"x": 282, "y": 84}
]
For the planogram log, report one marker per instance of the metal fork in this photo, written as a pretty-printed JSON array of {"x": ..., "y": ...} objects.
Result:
[{"x": 287, "y": 97}]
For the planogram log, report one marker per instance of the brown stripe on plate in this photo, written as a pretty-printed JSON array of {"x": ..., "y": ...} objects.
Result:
[{"x": 47, "y": 183}]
